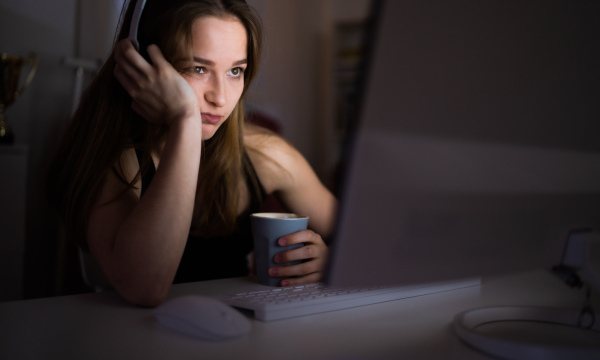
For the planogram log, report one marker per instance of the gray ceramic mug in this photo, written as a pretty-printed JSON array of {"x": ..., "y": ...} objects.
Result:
[{"x": 267, "y": 228}]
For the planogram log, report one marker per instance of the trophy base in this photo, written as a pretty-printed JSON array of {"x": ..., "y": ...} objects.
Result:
[{"x": 6, "y": 134}]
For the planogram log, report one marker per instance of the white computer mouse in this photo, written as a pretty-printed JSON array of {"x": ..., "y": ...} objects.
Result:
[{"x": 202, "y": 317}]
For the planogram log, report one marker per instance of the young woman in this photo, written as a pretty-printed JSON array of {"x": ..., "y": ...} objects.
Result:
[{"x": 158, "y": 173}]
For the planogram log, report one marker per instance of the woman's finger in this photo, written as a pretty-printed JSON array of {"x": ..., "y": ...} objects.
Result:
[
  {"x": 132, "y": 63},
  {"x": 132, "y": 57},
  {"x": 156, "y": 56},
  {"x": 125, "y": 80},
  {"x": 302, "y": 236},
  {"x": 301, "y": 253},
  {"x": 308, "y": 279},
  {"x": 130, "y": 78},
  {"x": 302, "y": 269}
]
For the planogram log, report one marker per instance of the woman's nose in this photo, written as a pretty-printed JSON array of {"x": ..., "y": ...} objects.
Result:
[{"x": 215, "y": 94}]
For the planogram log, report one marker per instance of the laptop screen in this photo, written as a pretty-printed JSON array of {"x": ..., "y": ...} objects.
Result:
[{"x": 476, "y": 151}]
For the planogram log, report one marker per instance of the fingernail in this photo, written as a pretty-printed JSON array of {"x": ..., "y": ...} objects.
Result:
[
  {"x": 273, "y": 272},
  {"x": 285, "y": 283},
  {"x": 282, "y": 242},
  {"x": 277, "y": 259}
]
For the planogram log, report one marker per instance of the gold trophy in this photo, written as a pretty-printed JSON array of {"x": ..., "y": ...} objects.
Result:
[{"x": 10, "y": 70}]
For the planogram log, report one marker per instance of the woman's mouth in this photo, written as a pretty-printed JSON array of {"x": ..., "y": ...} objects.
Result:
[{"x": 212, "y": 119}]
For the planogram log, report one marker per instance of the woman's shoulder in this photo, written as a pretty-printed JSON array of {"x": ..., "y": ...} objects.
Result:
[
  {"x": 262, "y": 140},
  {"x": 274, "y": 158}
]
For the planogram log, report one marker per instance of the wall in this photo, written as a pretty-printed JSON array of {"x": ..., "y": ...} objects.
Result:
[
  {"x": 37, "y": 116},
  {"x": 48, "y": 28},
  {"x": 287, "y": 86},
  {"x": 294, "y": 85}
]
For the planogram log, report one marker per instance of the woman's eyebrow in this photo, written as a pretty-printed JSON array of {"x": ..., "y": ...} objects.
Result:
[
  {"x": 203, "y": 61},
  {"x": 212, "y": 63}
]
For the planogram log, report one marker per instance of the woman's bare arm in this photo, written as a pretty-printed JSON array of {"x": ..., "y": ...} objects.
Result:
[
  {"x": 284, "y": 171},
  {"x": 139, "y": 242}
]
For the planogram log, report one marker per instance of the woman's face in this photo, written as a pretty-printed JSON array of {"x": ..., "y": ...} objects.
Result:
[{"x": 217, "y": 71}]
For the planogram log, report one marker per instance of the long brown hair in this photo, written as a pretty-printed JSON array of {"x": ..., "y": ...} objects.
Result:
[{"x": 104, "y": 124}]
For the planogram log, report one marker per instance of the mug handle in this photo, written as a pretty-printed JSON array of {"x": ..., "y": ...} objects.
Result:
[{"x": 34, "y": 60}]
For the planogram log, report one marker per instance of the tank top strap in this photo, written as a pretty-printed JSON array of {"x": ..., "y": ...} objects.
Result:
[{"x": 256, "y": 198}]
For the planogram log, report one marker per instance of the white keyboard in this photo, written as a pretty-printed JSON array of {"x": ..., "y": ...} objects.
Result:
[{"x": 285, "y": 302}]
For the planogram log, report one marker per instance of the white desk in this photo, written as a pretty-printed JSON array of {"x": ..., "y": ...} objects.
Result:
[{"x": 102, "y": 326}]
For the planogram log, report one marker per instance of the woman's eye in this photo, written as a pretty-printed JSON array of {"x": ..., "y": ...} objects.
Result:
[
  {"x": 194, "y": 70},
  {"x": 235, "y": 72}
]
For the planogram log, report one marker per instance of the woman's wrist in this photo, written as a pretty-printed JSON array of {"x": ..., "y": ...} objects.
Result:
[{"x": 189, "y": 122}]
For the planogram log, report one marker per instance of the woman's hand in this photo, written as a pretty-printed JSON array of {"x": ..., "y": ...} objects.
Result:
[
  {"x": 314, "y": 252},
  {"x": 160, "y": 94}
]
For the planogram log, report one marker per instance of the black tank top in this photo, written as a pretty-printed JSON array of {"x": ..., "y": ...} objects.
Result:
[{"x": 216, "y": 257}]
